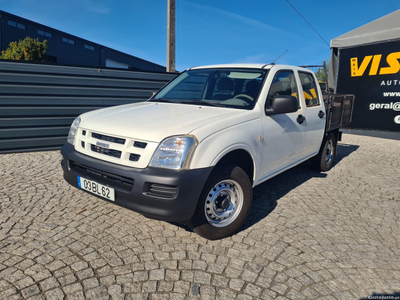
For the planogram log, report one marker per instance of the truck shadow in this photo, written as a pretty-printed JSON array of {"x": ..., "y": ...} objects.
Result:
[{"x": 267, "y": 194}]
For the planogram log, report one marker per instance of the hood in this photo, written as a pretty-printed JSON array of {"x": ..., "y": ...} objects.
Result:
[{"x": 150, "y": 121}]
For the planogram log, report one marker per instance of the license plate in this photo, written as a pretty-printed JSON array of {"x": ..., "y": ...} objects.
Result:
[{"x": 96, "y": 188}]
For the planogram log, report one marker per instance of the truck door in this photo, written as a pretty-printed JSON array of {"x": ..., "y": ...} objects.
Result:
[
  {"x": 314, "y": 113},
  {"x": 284, "y": 134}
]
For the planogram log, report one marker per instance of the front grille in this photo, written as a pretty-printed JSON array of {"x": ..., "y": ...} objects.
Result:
[
  {"x": 115, "y": 149},
  {"x": 162, "y": 190},
  {"x": 109, "y": 152},
  {"x": 108, "y": 138},
  {"x": 124, "y": 182},
  {"x": 139, "y": 144},
  {"x": 134, "y": 157}
]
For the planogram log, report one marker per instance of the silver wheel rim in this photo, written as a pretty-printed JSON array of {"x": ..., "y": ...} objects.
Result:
[
  {"x": 223, "y": 203},
  {"x": 329, "y": 152}
]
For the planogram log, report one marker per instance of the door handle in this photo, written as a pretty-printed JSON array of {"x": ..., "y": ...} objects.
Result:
[
  {"x": 321, "y": 114},
  {"x": 301, "y": 119}
]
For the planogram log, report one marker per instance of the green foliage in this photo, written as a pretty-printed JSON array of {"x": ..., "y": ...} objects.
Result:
[
  {"x": 321, "y": 73},
  {"x": 27, "y": 49}
]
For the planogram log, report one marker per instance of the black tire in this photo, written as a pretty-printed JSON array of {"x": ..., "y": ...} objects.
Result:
[
  {"x": 227, "y": 197},
  {"x": 324, "y": 160}
]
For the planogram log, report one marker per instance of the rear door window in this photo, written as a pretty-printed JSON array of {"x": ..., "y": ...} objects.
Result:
[{"x": 310, "y": 89}]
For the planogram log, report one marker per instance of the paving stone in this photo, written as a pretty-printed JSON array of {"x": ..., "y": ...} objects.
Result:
[
  {"x": 48, "y": 284},
  {"x": 72, "y": 288},
  {"x": 132, "y": 287},
  {"x": 56, "y": 294},
  {"x": 181, "y": 287},
  {"x": 207, "y": 292},
  {"x": 268, "y": 295},
  {"x": 279, "y": 288},
  {"x": 149, "y": 286},
  {"x": 86, "y": 273},
  {"x": 90, "y": 283},
  {"x": 187, "y": 275},
  {"x": 30, "y": 291},
  {"x": 67, "y": 279},
  {"x": 225, "y": 294},
  {"x": 202, "y": 277},
  {"x": 55, "y": 265},
  {"x": 165, "y": 286},
  {"x": 249, "y": 276},
  {"x": 220, "y": 281},
  {"x": 172, "y": 275},
  {"x": 97, "y": 293},
  {"x": 253, "y": 290},
  {"x": 157, "y": 274},
  {"x": 244, "y": 297},
  {"x": 23, "y": 283},
  {"x": 236, "y": 284}
]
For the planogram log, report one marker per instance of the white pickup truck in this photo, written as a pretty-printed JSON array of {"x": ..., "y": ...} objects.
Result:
[{"x": 193, "y": 152}]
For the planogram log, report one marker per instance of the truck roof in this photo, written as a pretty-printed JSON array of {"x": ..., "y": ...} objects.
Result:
[{"x": 249, "y": 66}]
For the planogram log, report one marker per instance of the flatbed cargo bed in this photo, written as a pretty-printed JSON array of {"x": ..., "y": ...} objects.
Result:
[{"x": 339, "y": 110}]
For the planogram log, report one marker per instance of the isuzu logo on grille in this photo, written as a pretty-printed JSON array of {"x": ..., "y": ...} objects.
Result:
[{"x": 104, "y": 145}]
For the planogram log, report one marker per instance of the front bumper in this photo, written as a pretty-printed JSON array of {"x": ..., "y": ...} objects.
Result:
[{"x": 133, "y": 186}]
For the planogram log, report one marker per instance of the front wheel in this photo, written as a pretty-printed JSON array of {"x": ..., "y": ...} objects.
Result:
[
  {"x": 323, "y": 161},
  {"x": 224, "y": 203}
]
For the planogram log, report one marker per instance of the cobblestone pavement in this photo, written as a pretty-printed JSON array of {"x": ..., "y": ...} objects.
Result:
[{"x": 310, "y": 235}]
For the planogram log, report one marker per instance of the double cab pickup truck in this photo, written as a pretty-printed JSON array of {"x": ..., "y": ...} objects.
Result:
[{"x": 194, "y": 151}]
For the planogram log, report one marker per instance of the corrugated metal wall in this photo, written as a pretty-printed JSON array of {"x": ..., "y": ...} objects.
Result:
[{"x": 38, "y": 102}]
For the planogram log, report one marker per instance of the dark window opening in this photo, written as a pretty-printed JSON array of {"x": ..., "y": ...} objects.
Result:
[
  {"x": 310, "y": 90},
  {"x": 44, "y": 33},
  {"x": 15, "y": 24},
  {"x": 89, "y": 47},
  {"x": 69, "y": 41}
]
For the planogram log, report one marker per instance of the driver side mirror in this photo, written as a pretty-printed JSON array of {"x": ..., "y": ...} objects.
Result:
[{"x": 282, "y": 104}]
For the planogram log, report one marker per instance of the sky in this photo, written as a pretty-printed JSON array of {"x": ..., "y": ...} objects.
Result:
[{"x": 208, "y": 31}]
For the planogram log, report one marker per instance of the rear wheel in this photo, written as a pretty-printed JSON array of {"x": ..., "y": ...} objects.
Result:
[
  {"x": 224, "y": 203},
  {"x": 323, "y": 161}
]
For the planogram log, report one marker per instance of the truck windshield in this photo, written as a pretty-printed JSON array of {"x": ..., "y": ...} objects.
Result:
[{"x": 228, "y": 87}]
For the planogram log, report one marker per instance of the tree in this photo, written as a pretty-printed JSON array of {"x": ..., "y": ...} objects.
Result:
[
  {"x": 27, "y": 49},
  {"x": 321, "y": 72}
]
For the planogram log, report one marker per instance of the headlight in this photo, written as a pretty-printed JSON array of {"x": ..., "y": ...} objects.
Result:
[
  {"x": 174, "y": 152},
  {"x": 72, "y": 131}
]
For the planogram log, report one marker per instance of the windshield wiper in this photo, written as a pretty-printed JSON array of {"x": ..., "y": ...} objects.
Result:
[
  {"x": 202, "y": 102},
  {"x": 163, "y": 100}
]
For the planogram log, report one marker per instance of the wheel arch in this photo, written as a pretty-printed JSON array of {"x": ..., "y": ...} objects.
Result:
[{"x": 239, "y": 157}]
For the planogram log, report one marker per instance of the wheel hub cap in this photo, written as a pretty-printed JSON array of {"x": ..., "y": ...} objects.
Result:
[
  {"x": 223, "y": 203},
  {"x": 329, "y": 152}
]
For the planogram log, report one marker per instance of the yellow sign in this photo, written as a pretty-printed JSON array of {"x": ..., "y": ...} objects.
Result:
[{"x": 359, "y": 70}]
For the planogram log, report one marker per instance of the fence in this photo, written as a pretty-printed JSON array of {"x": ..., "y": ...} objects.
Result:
[{"x": 38, "y": 102}]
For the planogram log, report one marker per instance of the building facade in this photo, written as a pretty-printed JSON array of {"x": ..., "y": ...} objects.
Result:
[
  {"x": 67, "y": 49},
  {"x": 364, "y": 62}
]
